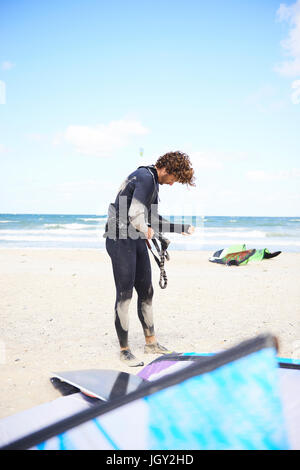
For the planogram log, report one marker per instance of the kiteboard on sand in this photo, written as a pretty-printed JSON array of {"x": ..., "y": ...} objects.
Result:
[
  {"x": 237, "y": 255},
  {"x": 97, "y": 383}
]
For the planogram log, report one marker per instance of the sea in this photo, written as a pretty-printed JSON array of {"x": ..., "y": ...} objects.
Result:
[{"x": 212, "y": 233}]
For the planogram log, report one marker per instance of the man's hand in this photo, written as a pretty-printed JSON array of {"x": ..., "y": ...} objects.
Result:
[
  {"x": 191, "y": 230},
  {"x": 150, "y": 233}
]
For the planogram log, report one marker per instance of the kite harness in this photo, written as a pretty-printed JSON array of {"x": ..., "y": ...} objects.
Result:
[{"x": 163, "y": 255}]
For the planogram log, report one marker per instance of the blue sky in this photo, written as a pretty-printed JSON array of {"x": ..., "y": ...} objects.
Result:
[{"x": 86, "y": 84}]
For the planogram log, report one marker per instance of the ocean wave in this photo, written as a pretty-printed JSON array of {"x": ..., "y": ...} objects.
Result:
[
  {"x": 281, "y": 235},
  {"x": 235, "y": 234},
  {"x": 91, "y": 219},
  {"x": 177, "y": 242},
  {"x": 72, "y": 226},
  {"x": 224, "y": 243},
  {"x": 53, "y": 226},
  {"x": 55, "y": 230},
  {"x": 42, "y": 234},
  {"x": 33, "y": 238}
]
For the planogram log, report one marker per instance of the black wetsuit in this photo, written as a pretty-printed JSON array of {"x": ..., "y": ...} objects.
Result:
[{"x": 134, "y": 209}]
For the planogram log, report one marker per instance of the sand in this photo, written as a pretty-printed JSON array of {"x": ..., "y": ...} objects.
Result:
[{"x": 56, "y": 311}]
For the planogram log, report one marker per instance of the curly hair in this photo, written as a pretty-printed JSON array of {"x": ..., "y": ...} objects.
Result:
[{"x": 177, "y": 164}]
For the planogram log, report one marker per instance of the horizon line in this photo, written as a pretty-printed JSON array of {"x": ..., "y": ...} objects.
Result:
[{"x": 165, "y": 215}]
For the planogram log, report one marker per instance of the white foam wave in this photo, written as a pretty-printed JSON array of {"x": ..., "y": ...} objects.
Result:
[
  {"x": 33, "y": 238},
  {"x": 53, "y": 232},
  {"x": 91, "y": 219},
  {"x": 217, "y": 233},
  {"x": 235, "y": 234},
  {"x": 72, "y": 226},
  {"x": 190, "y": 245},
  {"x": 83, "y": 234}
]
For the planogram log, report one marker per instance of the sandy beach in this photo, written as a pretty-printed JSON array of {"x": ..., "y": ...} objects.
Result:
[{"x": 57, "y": 313}]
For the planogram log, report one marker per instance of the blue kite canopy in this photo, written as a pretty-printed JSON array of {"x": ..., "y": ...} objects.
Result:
[{"x": 229, "y": 400}]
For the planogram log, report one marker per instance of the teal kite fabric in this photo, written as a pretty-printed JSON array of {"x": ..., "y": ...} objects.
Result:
[
  {"x": 236, "y": 406},
  {"x": 230, "y": 400}
]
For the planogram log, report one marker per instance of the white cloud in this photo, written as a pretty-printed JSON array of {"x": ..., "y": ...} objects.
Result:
[
  {"x": 88, "y": 196},
  {"x": 296, "y": 94},
  {"x": 214, "y": 160},
  {"x": 35, "y": 137},
  {"x": 103, "y": 139},
  {"x": 7, "y": 65},
  {"x": 291, "y": 45},
  {"x": 3, "y": 149},
  {"x": 2, "y": 92},
  {"x": 84, "y": 186},
  {"x": 205, "y": 161},
  {"x": 265, "y": 99},
  {"x": 57, "y": 139},
  {"x": 289, "y": 68},
  {"x": 282, "y": 175}
]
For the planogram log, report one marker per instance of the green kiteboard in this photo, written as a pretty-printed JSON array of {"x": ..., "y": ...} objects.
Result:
[{"x": 237, "y": 255}]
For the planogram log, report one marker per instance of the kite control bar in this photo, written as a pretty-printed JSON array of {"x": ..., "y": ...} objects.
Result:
[{"x": 163, "y": 255}]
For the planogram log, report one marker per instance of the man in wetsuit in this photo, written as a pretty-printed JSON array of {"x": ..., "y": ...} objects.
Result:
[{"x": 133, "y": 219}]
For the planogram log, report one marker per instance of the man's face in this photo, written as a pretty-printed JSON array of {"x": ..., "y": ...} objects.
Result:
[{"x": 166, "y": 178}]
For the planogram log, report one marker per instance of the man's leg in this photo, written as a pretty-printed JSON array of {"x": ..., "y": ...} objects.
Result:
[
  {"x": 144, "y": 289},
  {"x": 123, "y": 257}
]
